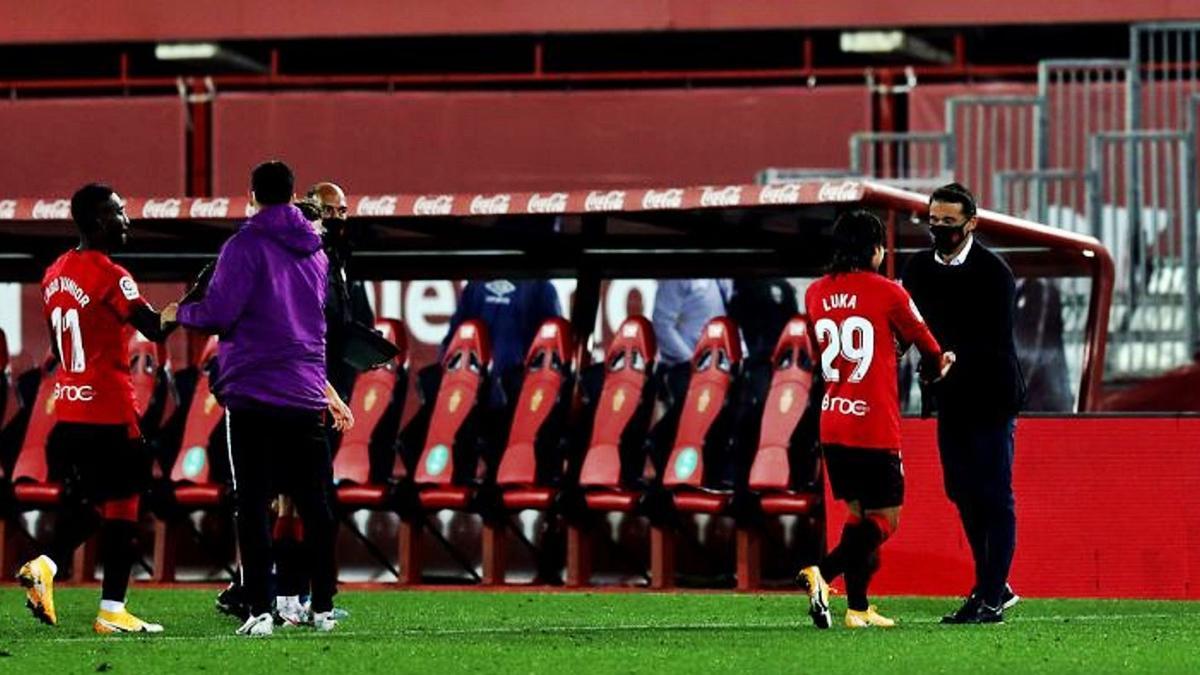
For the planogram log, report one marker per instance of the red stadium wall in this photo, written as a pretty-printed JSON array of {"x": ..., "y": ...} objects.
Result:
[
  {"x": 58, "y": 20},
  {"x": 484, "y": 141},
  {"x": 1106, "y": 507},
  {"x": 51, "y": 147}
]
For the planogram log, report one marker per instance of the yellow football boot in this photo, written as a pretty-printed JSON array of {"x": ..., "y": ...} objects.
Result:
[
  {"x": 108, "y": 623},
  {"x": 867, "y": 619},
  {"x": 818, "y": 595},
  {"x": 37, "y": 577}
]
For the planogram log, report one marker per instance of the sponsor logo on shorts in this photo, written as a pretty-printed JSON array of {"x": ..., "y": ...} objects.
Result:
[
  {"x": 845, "y": 406},
  {"x": 67, "y": 392}
]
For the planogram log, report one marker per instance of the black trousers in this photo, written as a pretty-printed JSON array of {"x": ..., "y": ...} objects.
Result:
[
  {"x": 282, "y": 451},
  {"x": 977, "y": 465}
]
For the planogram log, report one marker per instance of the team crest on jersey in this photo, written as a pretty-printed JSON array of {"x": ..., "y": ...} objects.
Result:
[
  {"x": 535, "y": 401},
  {"x": 370, "y": 400},
  {"x": 618, "y": 400},
  {"x": 129, "y": 288},
  {"x": 705, "y": 399},
  {"x": 209, "y": 404},
  {"x": 455, "y": 400}
]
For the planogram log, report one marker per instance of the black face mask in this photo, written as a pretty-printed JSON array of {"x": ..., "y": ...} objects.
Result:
[{"x": 947, "y": 239}]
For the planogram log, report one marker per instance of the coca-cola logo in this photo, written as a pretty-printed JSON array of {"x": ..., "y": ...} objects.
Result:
[
  {"x": 8, "y": 209},
  {"x": 495, "y": 204},
  {"x": 663, "y": 199},
  {"x": 788, "y": 193},
  {"x": 377, "y": 206},
  {"x": 555, "y": 202},
  {"x": 599, "y": 200},
  {"x": 433, "y": 205},
  {"x": 210, "y": 208},
  {"x": 54, "y": 209},
  {"x": 162, "y": 208},
  {"x": 730, "y": 195},
  {"x": 845, "y": 191}
]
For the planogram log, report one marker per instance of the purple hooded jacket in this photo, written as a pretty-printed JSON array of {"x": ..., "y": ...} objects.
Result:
[{"x": 266, "y": 302}]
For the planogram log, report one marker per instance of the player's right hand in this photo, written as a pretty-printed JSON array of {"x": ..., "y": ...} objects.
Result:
[{"x": 947, "y": 360}]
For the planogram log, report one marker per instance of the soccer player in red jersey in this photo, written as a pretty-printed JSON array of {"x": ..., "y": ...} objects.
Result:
[
  {"x": 861, "y": 322},
  {"x": 92, "y": 307}
]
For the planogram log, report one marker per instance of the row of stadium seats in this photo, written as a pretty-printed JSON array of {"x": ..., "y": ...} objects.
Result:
[{"x": 574, "y": 443}]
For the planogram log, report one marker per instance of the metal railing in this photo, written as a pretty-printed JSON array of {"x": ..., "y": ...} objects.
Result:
[
  {"x": 1148, "y": 218},
  {"x": 915, "y": 160},
  {"x": 1083, "y": 97},
  {"x": 993, "y": 134}
]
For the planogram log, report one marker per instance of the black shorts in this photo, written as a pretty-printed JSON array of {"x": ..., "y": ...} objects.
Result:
[
  {"x": 873, "y": 478},
  {"x": 97, "y": 462}
]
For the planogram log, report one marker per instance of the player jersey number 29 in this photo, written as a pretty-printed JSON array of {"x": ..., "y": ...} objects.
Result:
[
  {"x": 68, "y": 322},
  {"x": 853, "y": 340}
]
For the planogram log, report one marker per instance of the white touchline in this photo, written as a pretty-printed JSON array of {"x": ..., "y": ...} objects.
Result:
[{"x": 624, "y": 628}]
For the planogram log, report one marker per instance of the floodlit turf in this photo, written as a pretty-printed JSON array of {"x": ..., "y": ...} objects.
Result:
[{"x": 434, "y": 632}]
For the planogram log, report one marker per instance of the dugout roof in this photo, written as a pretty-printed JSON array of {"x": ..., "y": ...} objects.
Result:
[{"x": 728, "y": 231}]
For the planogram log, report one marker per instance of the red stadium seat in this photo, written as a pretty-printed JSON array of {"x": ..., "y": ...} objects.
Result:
[
  {"x": 447, "y": 468},
  {"x": 703, "y": 433},
  {"x": 189, "y": 486},
  {"x": 377, "y": 403},
  {"x": 771, "y": 472},
  {"x": 537, "y": 426},
  {"x": 615, "y": 453}
]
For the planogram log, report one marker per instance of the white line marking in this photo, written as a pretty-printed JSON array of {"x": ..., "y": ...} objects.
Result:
[{"x": 291, "y": 634}]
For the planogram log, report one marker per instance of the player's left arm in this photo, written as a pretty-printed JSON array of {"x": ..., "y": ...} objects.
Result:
[
  {"x": 126, "y": 299},
  {"x": 910, "y": 328}
]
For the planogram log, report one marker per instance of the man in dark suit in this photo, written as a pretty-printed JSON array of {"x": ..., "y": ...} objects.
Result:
[{"x": 967, "y": 295}]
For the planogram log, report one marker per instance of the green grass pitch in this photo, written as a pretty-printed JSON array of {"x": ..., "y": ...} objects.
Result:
[{"x": 567, "y": 632}]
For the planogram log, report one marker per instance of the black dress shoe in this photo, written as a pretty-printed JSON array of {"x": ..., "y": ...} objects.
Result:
[
  {"x": 1009, "y": 598},
  {"x": 975, "y": 611},
  {"x": 968, "y": 609}
]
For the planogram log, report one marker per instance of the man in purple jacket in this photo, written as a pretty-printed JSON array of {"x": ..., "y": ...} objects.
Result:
[{"x": 266, "y": 302}]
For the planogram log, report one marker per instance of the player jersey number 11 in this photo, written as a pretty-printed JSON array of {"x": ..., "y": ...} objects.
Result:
[
  {"x": 853, "y": 340},
  {"x": 68, "y": 322}
]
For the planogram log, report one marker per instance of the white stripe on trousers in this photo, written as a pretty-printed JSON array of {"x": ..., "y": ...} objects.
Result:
[{"x": 233, "y": 476}]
